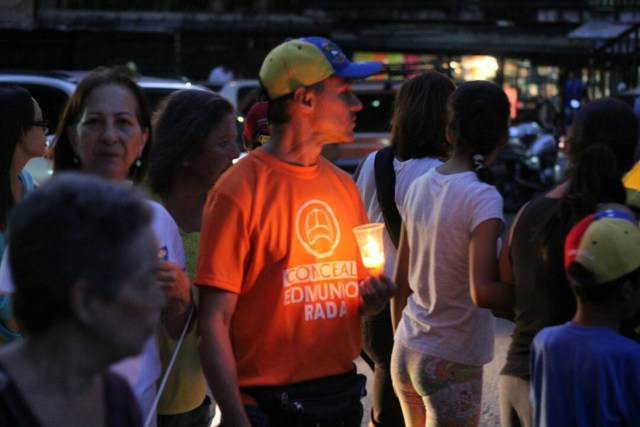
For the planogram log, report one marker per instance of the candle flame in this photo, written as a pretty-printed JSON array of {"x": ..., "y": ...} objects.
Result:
[
  {"x": 369, "y": 237},
  {"x": 372, "y": 255}
]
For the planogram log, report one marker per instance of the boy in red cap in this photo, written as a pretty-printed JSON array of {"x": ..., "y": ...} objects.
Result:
[
  {"x": 585, "y": 373},
  {"x": 256, "y": 126}
]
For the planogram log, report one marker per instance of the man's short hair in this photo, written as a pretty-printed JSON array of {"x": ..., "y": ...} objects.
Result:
[{"x": 75, "y": 227}]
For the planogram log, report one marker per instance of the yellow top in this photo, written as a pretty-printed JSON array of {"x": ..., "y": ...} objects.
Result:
[{"x": 186, "y": 387}]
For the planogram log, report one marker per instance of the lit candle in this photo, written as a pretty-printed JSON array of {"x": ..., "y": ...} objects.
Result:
[{"x": 369, "y": 238}]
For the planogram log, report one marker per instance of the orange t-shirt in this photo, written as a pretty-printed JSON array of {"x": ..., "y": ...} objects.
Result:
[{"x": 281, "y": 237}]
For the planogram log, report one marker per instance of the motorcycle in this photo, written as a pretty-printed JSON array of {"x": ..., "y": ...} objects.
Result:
[{"x": 530, "y": 164}]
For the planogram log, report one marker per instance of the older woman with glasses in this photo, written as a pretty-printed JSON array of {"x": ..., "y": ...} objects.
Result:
[{"x": 22, "y": 137}]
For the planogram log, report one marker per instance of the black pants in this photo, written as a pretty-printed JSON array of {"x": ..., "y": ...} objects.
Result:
[
  {"x": 377, "y": 347},
  {"x": 324, "y": 402},
  {"x": 198, "y": 417}
]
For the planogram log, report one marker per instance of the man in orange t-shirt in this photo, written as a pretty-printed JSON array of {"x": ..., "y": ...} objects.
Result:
[{"x": 282, "y": 286}]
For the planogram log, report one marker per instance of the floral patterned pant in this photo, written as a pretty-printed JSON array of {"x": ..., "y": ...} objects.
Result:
[{"x": 436, "y": 392}]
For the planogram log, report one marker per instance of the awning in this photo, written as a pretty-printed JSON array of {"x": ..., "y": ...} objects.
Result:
[{"x": 603, "y": 30}]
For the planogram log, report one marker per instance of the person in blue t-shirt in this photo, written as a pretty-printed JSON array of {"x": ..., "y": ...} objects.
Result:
[{"x": 585, "y": 373}]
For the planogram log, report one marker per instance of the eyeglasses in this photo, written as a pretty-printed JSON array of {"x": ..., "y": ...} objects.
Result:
[{"x": 44, "y": 124}]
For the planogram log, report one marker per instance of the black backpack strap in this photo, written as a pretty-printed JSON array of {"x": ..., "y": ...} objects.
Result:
[
  {"x": 14, "y": 411},
  {"x": 386, "y": 190}
]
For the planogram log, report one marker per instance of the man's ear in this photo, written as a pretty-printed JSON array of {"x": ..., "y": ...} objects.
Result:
[
  {"x": 304, "y": 97},
  {"x": 82, "y": 301}
]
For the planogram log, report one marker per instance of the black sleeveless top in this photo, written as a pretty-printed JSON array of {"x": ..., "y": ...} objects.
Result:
[
  {"x": 121, "y": 407},
  {"x": 542, "y": 293}
]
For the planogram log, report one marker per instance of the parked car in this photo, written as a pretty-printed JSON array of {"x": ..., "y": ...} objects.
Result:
[
  {"x": 52, "y": 89},
  {"x": 372, "y": 130},
  {"x": 241, "y": 93}
]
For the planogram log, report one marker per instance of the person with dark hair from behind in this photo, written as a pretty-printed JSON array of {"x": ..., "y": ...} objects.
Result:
[
  {"x": 584, "y": 372},
  {"x": 600, "y": 148},
  {"x": 447, "y": 268},
  {"x": 91, "y": 299},
  {"x": 418, "y": 143},
  {"x": 195, "y": 143},
  {"x": 256, "y": 126},
  {"x": 23, "y": 136}
]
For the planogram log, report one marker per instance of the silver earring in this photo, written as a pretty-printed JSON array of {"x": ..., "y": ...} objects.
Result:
[{"x": 138, "y": 162}]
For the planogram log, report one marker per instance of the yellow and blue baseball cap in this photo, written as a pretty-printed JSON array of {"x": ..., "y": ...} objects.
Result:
[
  {"x": 305, "y": 61},
  {"x": 607, "y": 244}
]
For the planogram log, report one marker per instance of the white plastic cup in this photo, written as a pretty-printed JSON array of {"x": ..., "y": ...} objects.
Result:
[{"x": 369, "y": 238}]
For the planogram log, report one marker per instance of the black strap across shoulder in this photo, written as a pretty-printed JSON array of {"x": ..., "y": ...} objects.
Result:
[
  {"x": 14, "y": 411},
  {"x": 386, "y": 189}
]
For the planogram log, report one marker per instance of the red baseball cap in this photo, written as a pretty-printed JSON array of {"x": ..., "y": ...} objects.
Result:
[
  {"x": 256, "y": 124},
  {"x": 606, "y": 243}
]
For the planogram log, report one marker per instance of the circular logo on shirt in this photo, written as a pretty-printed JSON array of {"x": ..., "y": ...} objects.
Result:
[{"x": 317, "y": 228}]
